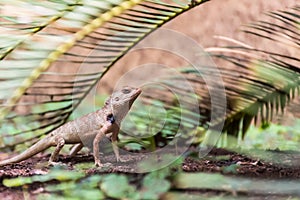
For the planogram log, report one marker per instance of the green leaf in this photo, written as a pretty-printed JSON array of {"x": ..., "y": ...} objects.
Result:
[
  {"x": 16, "y": 182},
  {"x": 203, "y": 181},
  {"x": 117, "y": 186},
  {"x": 60, "y": 175},
  {"x": 231, "y": 169},
  {"x": 153, "y": 187}
]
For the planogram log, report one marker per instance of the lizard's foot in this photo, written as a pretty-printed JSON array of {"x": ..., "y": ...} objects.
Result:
[
  {"x": 99, "y": 164},
  {"x": 52, "y": 163},
  {"x": 121, "y": 160},
  {"x": 107, "y": 164}
]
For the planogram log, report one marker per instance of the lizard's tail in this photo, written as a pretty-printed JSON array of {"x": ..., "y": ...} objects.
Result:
[{"x": 34, "y": 149}]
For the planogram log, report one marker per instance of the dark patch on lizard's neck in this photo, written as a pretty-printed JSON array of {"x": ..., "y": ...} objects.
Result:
[{"x": 110, "y": 117}]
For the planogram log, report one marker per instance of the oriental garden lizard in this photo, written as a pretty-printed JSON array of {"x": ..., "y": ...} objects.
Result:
[{"x": 94, "y": 126}]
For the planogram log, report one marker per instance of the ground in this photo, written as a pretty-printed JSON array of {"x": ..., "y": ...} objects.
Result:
[{"x": 217, "y": 161}]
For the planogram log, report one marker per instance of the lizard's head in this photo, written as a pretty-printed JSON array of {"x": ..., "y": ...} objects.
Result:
[{"x": 122, "y": 100}]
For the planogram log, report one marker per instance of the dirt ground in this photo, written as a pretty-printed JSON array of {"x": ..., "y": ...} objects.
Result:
[{"x": 217, "y": 161}]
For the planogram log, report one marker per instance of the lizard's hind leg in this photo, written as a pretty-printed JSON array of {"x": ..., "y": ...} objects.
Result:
[
  {"x": 60, "y": 142},
  {"x": 75, "y": 149}
]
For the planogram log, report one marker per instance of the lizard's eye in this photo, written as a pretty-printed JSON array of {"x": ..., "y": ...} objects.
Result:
[
  {"x": 126, "y": 91},
  {"x": 116, "y": 98}
]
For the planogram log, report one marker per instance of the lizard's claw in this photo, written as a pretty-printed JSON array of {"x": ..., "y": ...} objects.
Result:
[
  {"x": 120, "y": 160},
  {"x": 52, "y": 163},
  {"x": 98, "y": 163}
]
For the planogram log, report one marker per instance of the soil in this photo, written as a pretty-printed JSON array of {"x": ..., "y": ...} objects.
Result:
[{"x": 217, "y": 161}]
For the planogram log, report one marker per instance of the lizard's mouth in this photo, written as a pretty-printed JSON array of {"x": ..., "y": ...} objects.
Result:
[
  {"x": 138, "y": 92},
  {"x": 135, "y": 95}
]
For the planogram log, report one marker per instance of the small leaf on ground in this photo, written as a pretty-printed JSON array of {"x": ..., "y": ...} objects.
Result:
[
  {"x": 153, "y": 187},
  {"x": 16, "y": 182},
  {"x": 55, "y": 174},
  {"x": 236, "y": 184},
  {"x": 117, "y": 186}
]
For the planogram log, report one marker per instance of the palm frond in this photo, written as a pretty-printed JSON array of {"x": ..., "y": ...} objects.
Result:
[
  {"x": 52, "y": 57},
  {"x": 259, "y": 82},
  {"x": 265, "y": 79}
]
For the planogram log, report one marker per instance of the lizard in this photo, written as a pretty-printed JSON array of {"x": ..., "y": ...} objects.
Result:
[{"x": 95, "y": 125}]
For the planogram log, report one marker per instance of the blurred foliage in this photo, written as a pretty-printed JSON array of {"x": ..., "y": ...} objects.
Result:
[
  {"x": 266, "y": 137},
  {"x": 275, "y": 136},
  {"x": 161, "y": 184},
  {"x": 76, "y": 185},
  {"x": 235, "y": 184}
]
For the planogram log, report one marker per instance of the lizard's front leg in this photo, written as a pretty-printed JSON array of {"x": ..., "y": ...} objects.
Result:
[
  {"x": 96, "y": 141},
  {"x": 114, "y": 140}
]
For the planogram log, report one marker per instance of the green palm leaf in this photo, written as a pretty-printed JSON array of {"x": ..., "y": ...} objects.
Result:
[
  {"x": 45, "y": 56},
  {"x": 261, "y": 81}
]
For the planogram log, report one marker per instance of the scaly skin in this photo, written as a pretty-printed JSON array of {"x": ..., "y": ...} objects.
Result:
[{"x": 96, "y": 125}]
